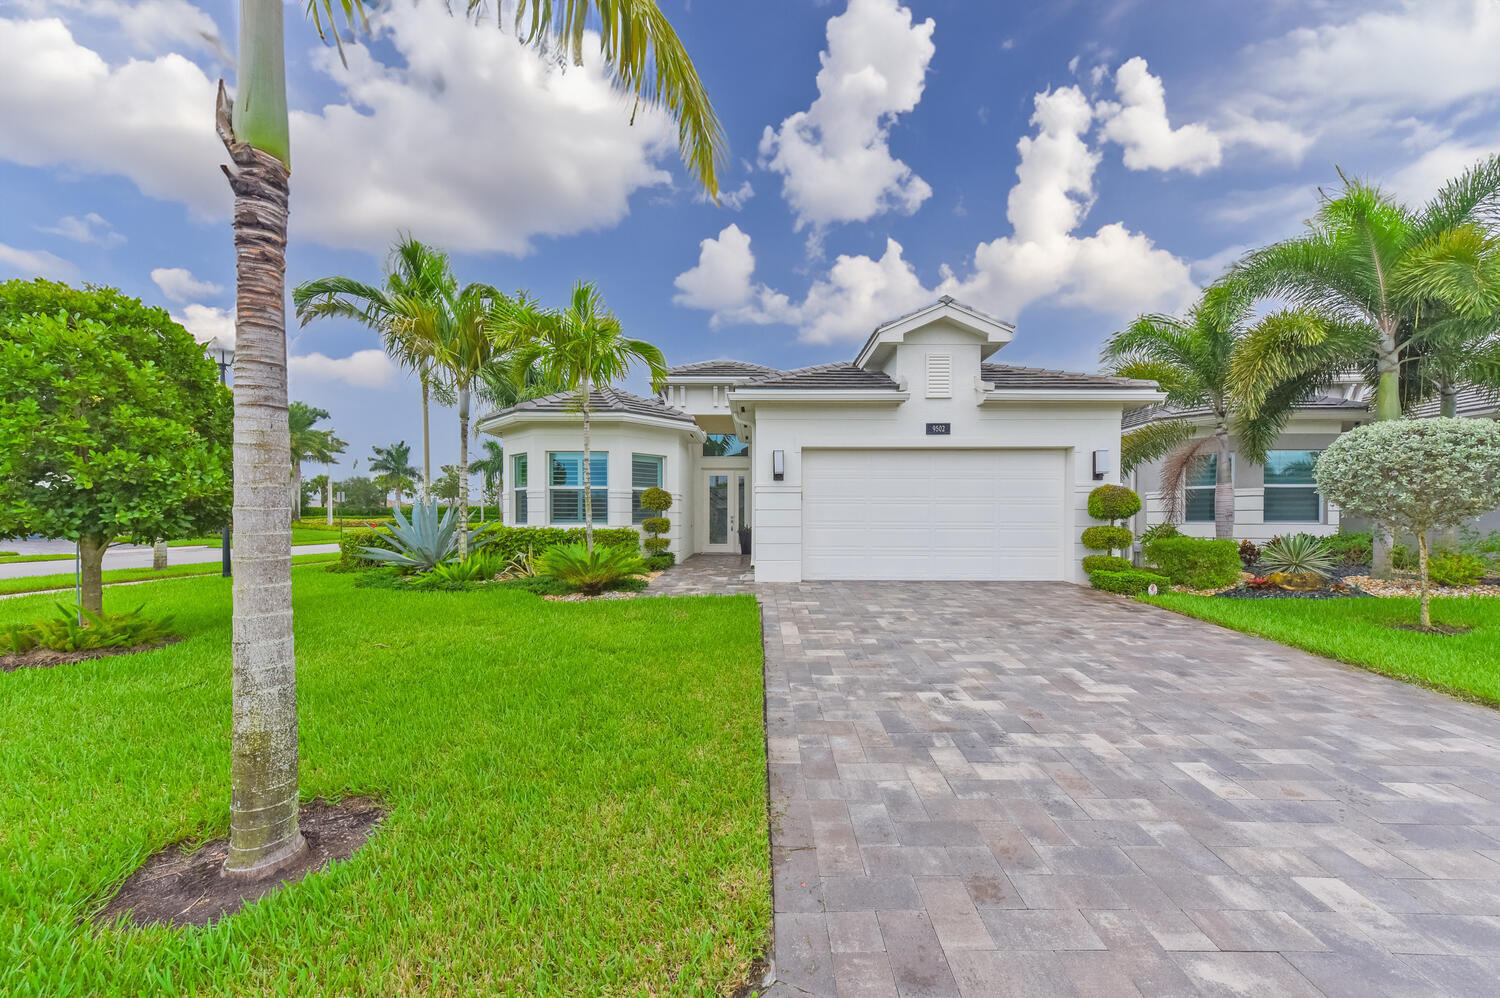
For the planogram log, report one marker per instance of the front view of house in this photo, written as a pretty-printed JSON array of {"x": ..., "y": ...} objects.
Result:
[{"x": 918, "y": 460}]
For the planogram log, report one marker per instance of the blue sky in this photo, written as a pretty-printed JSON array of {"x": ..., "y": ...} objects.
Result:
[{"x": 1062, "y": 164}]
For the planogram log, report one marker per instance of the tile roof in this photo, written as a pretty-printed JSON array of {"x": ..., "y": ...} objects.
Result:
[
  {"x": 1151, "y": 413},
  {"x": 601, "y": 400},
  {"x": 1007, "y": 376},
  {"x": 839, "y": 375},
  {"x": 721, "y": 369},
  {"x": 1471, "y": 402}
]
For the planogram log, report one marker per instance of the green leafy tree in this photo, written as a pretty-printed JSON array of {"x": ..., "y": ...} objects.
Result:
[
  {"x": 639, "y": 45},
  {"x": 316, "y": 486},
  {"x": 1416, "y": 476},
  {"x": 361, "y": 493},
  {"x": 581, "y": 347},
  {"x": 447, "y": 486},
  {"x": 1189, "y": 359},
  {"x": 392, "y": 465},
  {"x": 491, "y": 468},
  {"x": 112, "y": 424},
  {"x": 1364, "y": 287},
  {"x": 308, "y": 443}
]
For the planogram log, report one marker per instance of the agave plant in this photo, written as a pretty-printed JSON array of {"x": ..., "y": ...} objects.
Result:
[
  {"x": 421, "y": 543},
  {"x": 1299, "y": 554},
  {"x": 590, "y": 571}
]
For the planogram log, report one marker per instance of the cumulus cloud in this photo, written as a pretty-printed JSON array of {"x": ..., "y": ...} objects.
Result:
[
  {"x": 835, "y": 157},
  {"x": 1139, "y": 124},
  {"x": 179, "y": 284},
  {"x": 1113, "y": 270},
  {"x": 91, "y": 228},
  {"x": 35, "y": 263},
  {"x": 207, "y": 323},
  {"x": 361, "y": 369}
]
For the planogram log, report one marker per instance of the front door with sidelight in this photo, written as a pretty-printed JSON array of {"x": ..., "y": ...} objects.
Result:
[{"x": 724, "y": 511}]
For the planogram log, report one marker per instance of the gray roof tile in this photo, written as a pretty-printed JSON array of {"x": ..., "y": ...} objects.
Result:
[
  {"x": 839, "y": 375},
  {"x": 1152, "y": 413},
  {"x": 1472, "y": 401},
  {"x": 721, "y": 369},
  {"x": 602, "y": 400},
  {"x": 1007, "y": 376}
]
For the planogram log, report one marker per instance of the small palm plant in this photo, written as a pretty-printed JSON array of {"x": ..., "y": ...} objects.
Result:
[
  {"x": 590, "y": 571},
  {"x": 421, "y": 543},
  {"x": 1298, "y": 555}
]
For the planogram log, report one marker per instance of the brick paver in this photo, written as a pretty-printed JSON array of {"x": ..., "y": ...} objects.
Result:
[{"x": 1007, "y": 789}]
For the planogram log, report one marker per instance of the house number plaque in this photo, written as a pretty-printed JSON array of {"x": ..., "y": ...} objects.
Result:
[{"x": 938, "y": 429}]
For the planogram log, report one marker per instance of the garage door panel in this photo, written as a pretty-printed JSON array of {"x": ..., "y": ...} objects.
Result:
[{"x": 950, "y": 514}]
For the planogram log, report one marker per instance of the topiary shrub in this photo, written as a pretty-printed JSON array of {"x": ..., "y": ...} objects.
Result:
[
  {"x": 1106, "y": 563},
  {"x": 1196, "y": 562},
  {"x": 1454, "y": 568},
  {"x": 658, "y": 501},
  {"x": 656, "y": 545},
  {"x": 1107, "y": 538},
  {"x": 1113, "y": 502},
  {"x": 1128, "y": 583},
  {"x": 661, "y": 562},
  {"x": 1414, "y": 476}
]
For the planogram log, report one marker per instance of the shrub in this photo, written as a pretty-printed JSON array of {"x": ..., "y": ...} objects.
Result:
[
  {"x": 656, "y": 525},
  {"x": 421, "y": 543},
  {"x": 1249, "y": 553},
  {"x": 656, "y": 545},
  {"x": 1113, "y": 502},
  {"x": 479, "y": 566},
  {"x": 65, "y": 634},
  {"x": 1160, "y": 530},
  {"x": 1454, "y": 568},
  {"x": 1352, "y": 548},
  {"x": 352, "y": 544},
  {"x": 661, "y": 562},
  {"x": 1195, "y": 562},
  {"x": 1404, "y": 558},
  {"x": 1299, "y": 554},
  {"x": 658, "y": 501},
  {"x": 1129, "y": 583},
  {"x": 1106, "y": 563},
  {"x": 523, "y": 542},
  {"x": 1107, "y": 538},
  {"x": 589, "y": 571}
]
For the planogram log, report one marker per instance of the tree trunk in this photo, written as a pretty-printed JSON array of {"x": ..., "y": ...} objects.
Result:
[
  {"x": 1450, "y": 401},
  {"x": 91, "y": 548},
  {"x": 426, "y": 452},
  {"x": 588, "y": 495},
  {"x": 1223, "y": 488},
  {"x": 1387, "y": 406},
  {"x": 1426, "y": 596},
  {"x": 463, "y": 472},
  {"x": 297, "y": 485},
  {"x": 328, "y": 506},
  {"x": 263, "y": 832},
  {"x": 159, "y": 555}
]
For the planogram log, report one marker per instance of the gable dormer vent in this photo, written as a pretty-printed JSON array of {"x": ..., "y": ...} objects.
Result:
[{"x": 939, "y": 376}]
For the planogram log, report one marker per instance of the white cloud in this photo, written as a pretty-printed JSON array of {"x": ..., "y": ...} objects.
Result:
[
  {"x": 36, "y": 263},
  {"x": 1420, "y": 179},
  {"x": 91, "y": 228},
  {"x": 361, "y": 369},
  {"x": 1114, "y": 271},
  {"x": 179, "y": 284},
  {"x": 736, "y": 199},
  {"x": 148, "y": 25},
  {"x": 835, "y": 157},
  {"x": 1139, "y": 124},
  {"x": 207, "y": 323}
]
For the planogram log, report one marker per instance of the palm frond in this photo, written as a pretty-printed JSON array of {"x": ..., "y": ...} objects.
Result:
[
  {"x": 1154, "y": 440},
  {"x": 1472, "y": 196},
  {"x": 1289, "y": 345},
  {"x": 1174, "y": 475},
  {"x": 1458, "y": 267}
]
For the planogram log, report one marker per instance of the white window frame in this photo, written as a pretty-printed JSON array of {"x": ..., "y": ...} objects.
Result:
[
  {"x": 1322, "y": 514},
  {"x": 638, "y": 514}
]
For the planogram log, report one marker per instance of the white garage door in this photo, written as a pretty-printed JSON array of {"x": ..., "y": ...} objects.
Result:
[{"x": 933, "y": 514}]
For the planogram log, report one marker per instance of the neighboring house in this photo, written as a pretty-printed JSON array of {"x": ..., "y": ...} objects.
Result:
[
  {"x": 918, "y": 460},
  {"x": 1279, "y": 497}
]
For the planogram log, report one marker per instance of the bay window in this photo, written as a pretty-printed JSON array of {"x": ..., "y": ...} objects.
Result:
[{"x": 518, "y": 489}]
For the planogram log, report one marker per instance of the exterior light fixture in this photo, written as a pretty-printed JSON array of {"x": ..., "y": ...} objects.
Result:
[
  {"x": 778, "y": 465},
  {"x": 1101, "y": 464}
]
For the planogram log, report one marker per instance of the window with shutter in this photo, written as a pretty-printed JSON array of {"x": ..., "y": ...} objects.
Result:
[{"x": 645, "y": 473}]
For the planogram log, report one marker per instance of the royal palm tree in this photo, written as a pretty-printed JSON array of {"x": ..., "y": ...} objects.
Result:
[
  {"x": 648, "y": 59},
  {"x": 392, "y": 463},
  {"x": 581, "y": 347},
  {"x": 1362, "y": 287},
  {"x": 492, "y": 468},
  {"x": 1189, "y": 358},
  {"x": 309, "y": 443}
]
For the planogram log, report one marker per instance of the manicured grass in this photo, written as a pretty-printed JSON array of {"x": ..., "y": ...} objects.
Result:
[
  {"x": 576, "y": 793},
  {"x": 1358, "y": 631},
  {"x": 64, "y": 580},
  {"x": 11, "y": 558}
]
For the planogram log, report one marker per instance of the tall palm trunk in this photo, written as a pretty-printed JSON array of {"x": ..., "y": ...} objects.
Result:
[
  {"x": 263, "y": 832},
  {"x": 1387, "y": 406},
  {"x": 588, "y": 494},
  {"x": 463, "y": 472},
  {"x": 328, "y": 505},
  {"x": 1223, "y": 487},
  {"x": 426, "y": 449}
]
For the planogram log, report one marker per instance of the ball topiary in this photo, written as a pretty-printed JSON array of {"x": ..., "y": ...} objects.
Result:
[
  {"x": 1113, "y": 502},
  {"x": 657, "y": 500},
  {"x": 1106, "y": 563},
  {"x": 656, "y": 545},
  {"x": 656, "y": 525},
  {"x": 1107, "y": 538}
]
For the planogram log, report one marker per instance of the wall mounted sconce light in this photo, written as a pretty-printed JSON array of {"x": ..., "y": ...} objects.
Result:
[
  {"x": 1101, "y": 464},
  {"x": 778, "y": 465}
]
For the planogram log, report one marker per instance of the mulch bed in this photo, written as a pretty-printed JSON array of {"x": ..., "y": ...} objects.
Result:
[
  {"x": 46, "y": 658},
  {"x": 1410, "y": 586},
  {"x": 176, "y": 887},
  {"x": 1246, "y": 592}
]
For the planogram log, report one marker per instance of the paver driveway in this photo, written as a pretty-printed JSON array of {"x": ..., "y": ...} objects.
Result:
[{"x": 1005, "y": 789}]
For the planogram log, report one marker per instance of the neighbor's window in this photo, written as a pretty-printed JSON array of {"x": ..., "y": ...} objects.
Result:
[
  {"x": 518, "y": 487},
  {"x": 645, "y": 473},
  {"x": 565, "y": 485},
  {"x": 1291, "y": 496},
  {"x": 724, "y": 445},
  {"x": 1199, "y": 506}
]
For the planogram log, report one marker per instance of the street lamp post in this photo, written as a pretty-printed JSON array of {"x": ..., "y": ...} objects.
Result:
[{"x": 223, "y": 356}]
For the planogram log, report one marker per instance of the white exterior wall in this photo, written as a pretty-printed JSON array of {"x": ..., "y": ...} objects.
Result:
[{"x": 621, "y": 440}]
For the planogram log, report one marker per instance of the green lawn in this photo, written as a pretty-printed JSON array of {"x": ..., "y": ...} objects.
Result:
[
  {"x": 11, "y": 558},
  {"x": 64, "y": 580},
  {"x": 1357, "y": 631},
  {"x": 577, "y": 797}
]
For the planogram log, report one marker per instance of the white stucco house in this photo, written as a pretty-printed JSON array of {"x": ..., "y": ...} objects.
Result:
[{"x": 919, "y": 459}]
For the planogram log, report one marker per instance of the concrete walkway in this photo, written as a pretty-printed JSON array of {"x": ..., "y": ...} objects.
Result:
[{"x": 1008, "y": 789}]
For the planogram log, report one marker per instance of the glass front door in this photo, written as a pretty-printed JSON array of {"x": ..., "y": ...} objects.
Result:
[{"x": 718, "y": 510}]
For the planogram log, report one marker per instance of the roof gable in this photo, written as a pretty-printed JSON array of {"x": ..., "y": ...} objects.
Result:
[{"x": 992, "y": 333}]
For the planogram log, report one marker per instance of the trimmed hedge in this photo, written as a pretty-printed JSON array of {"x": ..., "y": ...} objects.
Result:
[
  {"x": 352, "y": 544},
  {"x": 661, "y": 562},
  {"x": 656, "y": 545},
  {"x": 1131, "y": 583},
  {"x": 1107, "y": 538},
  {"x": 1106, "y": 563},
  {"x": 508, "y": 542},
  {"x": 1196, "y": 562},
  {"x": 1113, "y": 502}
]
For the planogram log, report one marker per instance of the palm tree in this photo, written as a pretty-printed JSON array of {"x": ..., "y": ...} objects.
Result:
[
  {"x": 492, "y": 467},
  {"x": 1189, "y": 358},
  {"x": 404, "y": 312},
  {"x": 649, "y": 60},
  {"x": 393, "y": 464},
  {"x": 579, "y": 347},
  {"x": 1362, "y": 286},
  {"x": 309, "y": 443}
]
